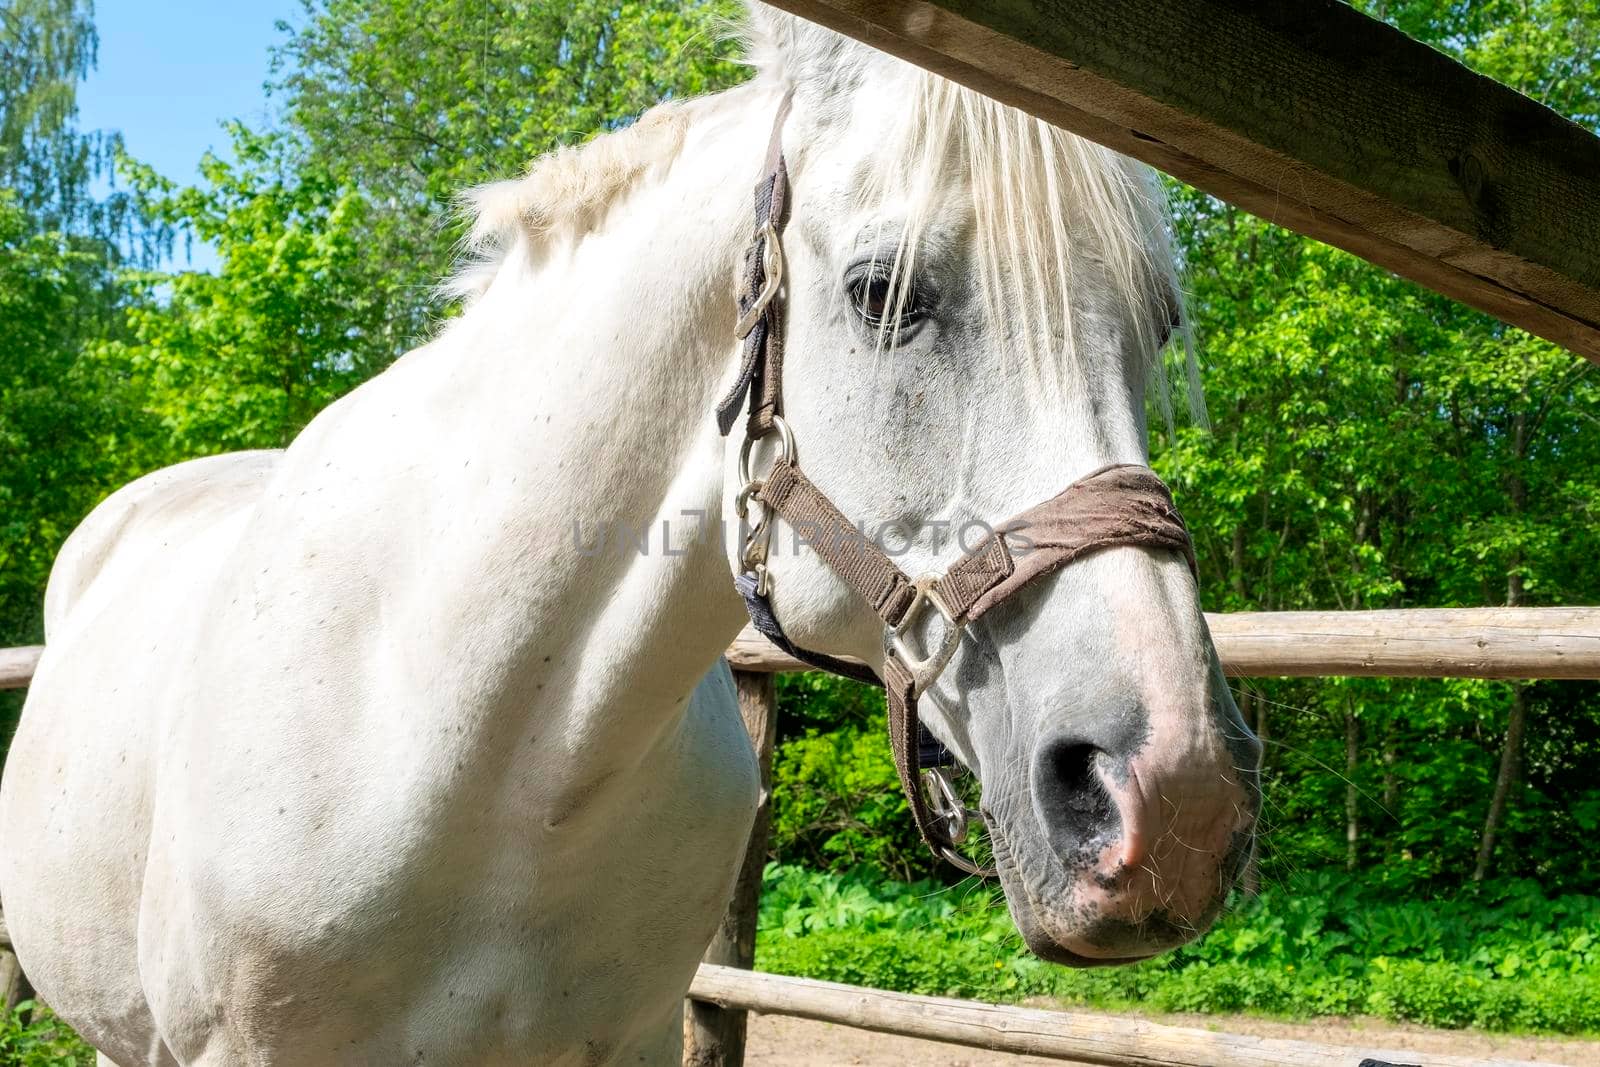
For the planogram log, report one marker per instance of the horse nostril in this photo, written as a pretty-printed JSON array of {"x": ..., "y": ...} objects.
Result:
[{"x": 1073, "y": 803}]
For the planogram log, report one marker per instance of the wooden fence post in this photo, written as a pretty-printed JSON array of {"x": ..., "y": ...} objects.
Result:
[
  {"x": 14, "y": 986},
  {"x": 713, "y": 1036}
]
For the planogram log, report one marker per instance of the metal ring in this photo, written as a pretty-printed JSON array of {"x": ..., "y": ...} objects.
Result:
[
  {"x": 785, "y": 447},
  {"x": 945, "y": 804}
]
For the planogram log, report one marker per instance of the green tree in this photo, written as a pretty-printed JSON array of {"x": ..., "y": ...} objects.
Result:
[
  {"x": 411, "y": 103},
  {"x": 63, "y": 420},
  {"x": 296, "y": 313},
  {"x": 1379, "y": 446}
]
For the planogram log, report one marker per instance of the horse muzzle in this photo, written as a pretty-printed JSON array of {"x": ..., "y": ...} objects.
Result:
[{"x": 1116, "y": 857}]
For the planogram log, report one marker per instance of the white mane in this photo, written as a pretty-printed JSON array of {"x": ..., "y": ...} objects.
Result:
[
  {"x": 564, "y": 193},
  {"x": 1045, "y": 203}
]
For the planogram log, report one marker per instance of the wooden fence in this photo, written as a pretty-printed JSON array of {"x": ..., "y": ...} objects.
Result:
[
  {"x": 1429, "y": 643},
  {"x": 1070, "y": 1036},
  {"x": 1543, "y": 643}
]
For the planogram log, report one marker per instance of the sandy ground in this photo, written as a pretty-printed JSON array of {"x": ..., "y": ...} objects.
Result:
[{"x": 776, "y": 1041}]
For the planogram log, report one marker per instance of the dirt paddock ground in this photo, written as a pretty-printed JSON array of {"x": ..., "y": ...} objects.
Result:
[{"x": 776, "y": 1041}]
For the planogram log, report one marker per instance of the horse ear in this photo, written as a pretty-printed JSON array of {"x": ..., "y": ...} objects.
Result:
[{"x": 813, "y": 59}]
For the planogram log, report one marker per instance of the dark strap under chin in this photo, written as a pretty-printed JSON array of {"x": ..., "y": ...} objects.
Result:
[
  {"x": 762, "y": 618},
  {"x": 930, "y": 751}
]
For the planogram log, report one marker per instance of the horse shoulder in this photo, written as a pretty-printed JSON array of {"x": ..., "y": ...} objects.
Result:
[{"x": 145, "y": 516}]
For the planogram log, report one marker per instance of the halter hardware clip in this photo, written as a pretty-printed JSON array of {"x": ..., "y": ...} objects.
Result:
[
  {"x": 772, "y": 269},
  {"x": 946, "y": 806},
  {"x": 924, "y": 670}
]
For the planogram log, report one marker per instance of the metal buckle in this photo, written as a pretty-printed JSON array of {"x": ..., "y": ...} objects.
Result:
[
  {"x": 772, "y": 268},
  {"x": 924, "y": 670}
]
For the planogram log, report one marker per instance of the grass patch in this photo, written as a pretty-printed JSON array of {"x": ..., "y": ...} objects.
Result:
[{"x": 1503, "y": 957}]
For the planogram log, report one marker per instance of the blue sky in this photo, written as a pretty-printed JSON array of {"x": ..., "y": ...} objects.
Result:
[{"x": 171, "y": 71}]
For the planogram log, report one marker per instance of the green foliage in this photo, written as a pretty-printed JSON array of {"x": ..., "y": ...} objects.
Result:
[
  {"x": 823, "y": 702},
  {"x": 63, "y": 419},
  {"x": 46, "y": 162},
  {"x": 59, "y": 414},
  {"x": 295, "y": 315},
  {"x": 1503, "y": 956},
  {"x": 837, "y": 803},
  {"x": 30, "y": 1036},
  {"x": 414, "y": 102}
]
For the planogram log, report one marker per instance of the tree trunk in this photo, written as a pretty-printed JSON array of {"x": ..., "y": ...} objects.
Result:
[
  {"x": 1516, "y": 724},
  {"x": 1391, "y": 782},
  {"x": 1352, "y": 811},
  {"x": 1510, "y": 768}
]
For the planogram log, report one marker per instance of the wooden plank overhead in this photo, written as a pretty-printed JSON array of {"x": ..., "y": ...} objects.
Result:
[{"x": 1306, "y": 113}]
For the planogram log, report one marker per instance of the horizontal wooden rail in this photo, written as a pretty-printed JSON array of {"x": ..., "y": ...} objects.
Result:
[
  {"x": 17, "y": 664},
  {"x": 1412, "y": 643},
  {"x": 1562, "y": 643},
  {"x": 1116, "y": 1041},
  {"x": 1305, "y": 112},
  {"x": 1532, "y": 643}
]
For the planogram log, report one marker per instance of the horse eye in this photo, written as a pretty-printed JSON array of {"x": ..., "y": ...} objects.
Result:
[
  {"x": 874, "y": 298},
  {"x": 875, "y": 301}
]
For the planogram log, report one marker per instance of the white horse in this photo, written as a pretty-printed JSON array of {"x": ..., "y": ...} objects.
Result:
[{"x": 353, "y": 754}]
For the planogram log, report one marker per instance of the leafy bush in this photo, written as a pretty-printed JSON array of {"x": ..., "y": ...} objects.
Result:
[
  {"x": 837, "y": 804},
  {"x": 30, "y": 1036},
  {"x": 1503, "y": 957}
]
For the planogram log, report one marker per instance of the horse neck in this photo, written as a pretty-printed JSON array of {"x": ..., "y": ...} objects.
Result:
[{"x": 601, "y": 359}]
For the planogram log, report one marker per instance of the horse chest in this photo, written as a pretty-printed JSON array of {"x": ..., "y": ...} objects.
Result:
[{"x": 470, "y": 914}]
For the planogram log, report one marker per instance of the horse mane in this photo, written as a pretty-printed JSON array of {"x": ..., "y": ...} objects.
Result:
[{"x": 564, "y": 195}]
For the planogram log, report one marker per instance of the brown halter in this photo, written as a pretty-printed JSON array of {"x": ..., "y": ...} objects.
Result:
[{"x": 1122, "y": 504}]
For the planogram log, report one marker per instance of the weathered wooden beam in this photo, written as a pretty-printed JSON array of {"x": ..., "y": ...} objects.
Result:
[
  {"x": 1412, "y": 643},
  {"x": 715, "y": 1036},
  {"x": 1117, "y": 1041},
  {"x": 1305, "y": 112}
]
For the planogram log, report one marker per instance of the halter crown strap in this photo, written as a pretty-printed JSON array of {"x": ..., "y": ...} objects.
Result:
[
  {"x": 1121, "y": 504},
  {"x": 761, "y": 369}
]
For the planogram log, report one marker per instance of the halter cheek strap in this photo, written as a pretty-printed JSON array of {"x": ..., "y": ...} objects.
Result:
[{"x": 1122, "y": 504}]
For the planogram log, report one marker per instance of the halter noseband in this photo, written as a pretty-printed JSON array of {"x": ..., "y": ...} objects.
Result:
[{"x": 1121, "y": 504}]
